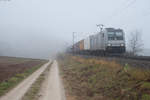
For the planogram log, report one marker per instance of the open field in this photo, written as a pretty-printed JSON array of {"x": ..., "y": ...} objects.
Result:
[
  {"x": 13, "y": 70},
  {"x": 104, "y": 79}
]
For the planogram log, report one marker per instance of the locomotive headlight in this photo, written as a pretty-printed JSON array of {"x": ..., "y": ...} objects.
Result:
[
  {"x": 109, "y": 44},
  {"x": 122, "y": 44}
]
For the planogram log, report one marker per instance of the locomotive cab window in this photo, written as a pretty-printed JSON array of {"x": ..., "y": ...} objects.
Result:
[
  {"x": 119, "y": 36},
  {"x": 111, "y": 36}
]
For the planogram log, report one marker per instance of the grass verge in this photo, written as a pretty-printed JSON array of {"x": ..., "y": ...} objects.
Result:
[
  {"x": 32, "y": 93},
  {"x": 5, "y": 86},
  {"x": 97, "y": 79}
]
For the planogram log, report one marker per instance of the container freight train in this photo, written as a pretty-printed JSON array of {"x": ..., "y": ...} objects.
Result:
[{"x": 108, "y": 41}]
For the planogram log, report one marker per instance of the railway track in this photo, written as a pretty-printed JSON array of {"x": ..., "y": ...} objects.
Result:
[{"x": 143, "y": 58}]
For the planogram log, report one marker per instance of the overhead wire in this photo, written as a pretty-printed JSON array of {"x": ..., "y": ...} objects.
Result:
[
  {"x": 121, "y": 10},
  {"x": 117, "y": 12}
]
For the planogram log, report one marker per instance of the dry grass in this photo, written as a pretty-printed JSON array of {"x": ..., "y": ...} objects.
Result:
[{"x": 95, "y": 79}]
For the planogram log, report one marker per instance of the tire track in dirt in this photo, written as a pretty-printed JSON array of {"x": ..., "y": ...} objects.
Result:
[{"x": 52, "y": 88}]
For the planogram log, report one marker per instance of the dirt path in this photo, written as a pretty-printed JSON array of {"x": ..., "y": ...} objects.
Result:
[
  {"x": 18, "y": 92},
  {"x": 52, "y": 88}
]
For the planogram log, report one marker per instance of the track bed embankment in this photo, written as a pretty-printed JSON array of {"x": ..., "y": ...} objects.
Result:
[
  {"x": 134, "y": 61},
  {"x": 104, "y": 79}
]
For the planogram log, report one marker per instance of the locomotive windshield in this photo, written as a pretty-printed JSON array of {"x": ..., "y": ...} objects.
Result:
[
  {"x": 111, "y": 35},
  {"x": 119, "y": 35},
  {"x": 115, "y": 35}
]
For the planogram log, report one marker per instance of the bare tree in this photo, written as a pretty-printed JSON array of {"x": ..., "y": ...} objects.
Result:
[{"x": 135, "y": 42}]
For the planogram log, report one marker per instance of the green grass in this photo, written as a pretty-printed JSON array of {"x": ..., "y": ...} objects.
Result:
[
  {"x": 145, "y": 85},
  {"x": 146, "y": 97},
  {"x": 13, "y": 81}
]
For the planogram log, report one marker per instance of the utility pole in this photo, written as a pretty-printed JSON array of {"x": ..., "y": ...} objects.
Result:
[
  {"x": 73, "y": 41},
  {"x": 100, "y": 26}
]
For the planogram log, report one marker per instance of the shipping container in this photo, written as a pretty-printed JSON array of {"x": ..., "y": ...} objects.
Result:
[
  {"x": 87, "y": 43},
  {"x": 81, "y": 45}
]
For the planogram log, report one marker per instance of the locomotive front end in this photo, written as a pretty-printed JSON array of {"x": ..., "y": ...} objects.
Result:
[{"x": 115, "y": 41}]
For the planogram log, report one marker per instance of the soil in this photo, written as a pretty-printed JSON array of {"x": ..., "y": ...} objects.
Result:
[
  {"x": 10, "y": 66},
  {"x": 52, "y": 88},
  {"x": 18, "y": 92}
]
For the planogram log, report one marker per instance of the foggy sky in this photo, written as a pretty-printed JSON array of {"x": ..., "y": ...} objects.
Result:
[{"x": 40, "y": 28}]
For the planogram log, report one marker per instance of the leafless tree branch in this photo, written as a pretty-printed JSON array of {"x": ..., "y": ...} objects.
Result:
[{"x": 135, "y": 42}]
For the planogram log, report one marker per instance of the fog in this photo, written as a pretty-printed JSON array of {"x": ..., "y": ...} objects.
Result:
[{"x": 42, "y": 28}]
